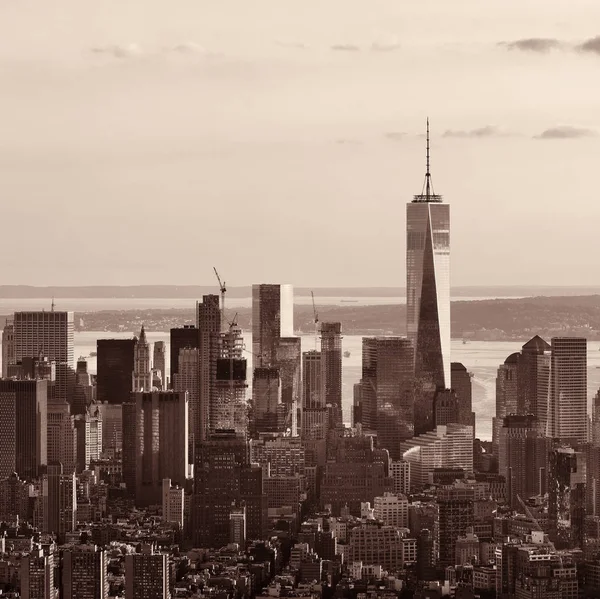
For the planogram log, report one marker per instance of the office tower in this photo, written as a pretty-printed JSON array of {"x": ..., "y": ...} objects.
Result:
[
  {"x": 311, "y": 380},
  {"x": 88, "y": 429},
  {"x": 386, "y": 404},
  {"x": 378, "y": 545},
  {"x": 534, "y": 379},
  {"x": 595, "y": 433},
  {"x": 147, "y": 575},
  {"x": 400, "y": 473},
  {"x": 173, "y": 503},
  {"x": 446, "y": 409},
  {"x": 272, "y": 318},
  {"x": 155, "y": 443},
  {"x": 523, "y": 458},
  {"x": 237, "y": 526},
  {"x": 112, "y": 427},
  {"x": 187, "y": 378},
  {"x": 85, "y": 390},
  {"x": 229, "y": 409},
  {"x": 49, "y": 334},
  {"x": 278, "y": 456},
  {"x": 37, "y": 574},
  {"x": 14, "y": 499},
  {"x": 449, "y": 446},
  {"x": 391, "y": 509},
  {"x": 266, "y": 398},
  {"x": 456, "y": 514},
  {"x": 62, "y": 436},
  {"x": 59, "y": 501},
  {"x": 566, "y": 497},
  {"x": 115, "y": 367},
  {"x": 506, "y": 395},
  {"x": 159, "y": 363},
  {"x": 331, "y": 363},
  {"x": 223, "y": 479},
  {"x": 8, "y": 347},
  {"x": 428, "y": 282},
  {"x": 84, "y": 572},
  {"x": 23, "y": 426},
  {"x": 461, "y": 384},
  {"x": 208, "y": 322},
  {"x": 181, "y": 338},
  {"x": 567, "y": 414},
  {"x": 141, "y": 377},
  {"x": 288, "y": 357}
]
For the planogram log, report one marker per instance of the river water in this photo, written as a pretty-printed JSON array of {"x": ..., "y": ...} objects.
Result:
[{"x": 482, "y": 358}]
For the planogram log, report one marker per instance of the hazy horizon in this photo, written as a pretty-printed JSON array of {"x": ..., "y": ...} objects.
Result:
[{"x": 280, "y": 140}]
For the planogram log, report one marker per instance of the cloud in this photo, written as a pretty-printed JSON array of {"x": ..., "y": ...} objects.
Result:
[
  {"x": 345, "y": 48},
  {"x": 487, "y": 131},
  {"x": 119, "y": 51},
  {"x": 565, "y": 132},
  {"x": 591, "y": 45},
  {"x": 395, "y": 135},
  {"x": 188, "y": 48},
  {"x": 389, "y": 46},
  {"x": 534, "y": 44}
]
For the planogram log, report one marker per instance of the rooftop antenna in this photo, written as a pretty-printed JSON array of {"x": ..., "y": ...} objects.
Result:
[
  {"x": 427, "y": 194},
  {"x": 52, "y": 305}
]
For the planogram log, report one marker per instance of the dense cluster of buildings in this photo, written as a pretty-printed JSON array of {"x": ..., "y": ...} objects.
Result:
[{"x": 163, "y": 476}]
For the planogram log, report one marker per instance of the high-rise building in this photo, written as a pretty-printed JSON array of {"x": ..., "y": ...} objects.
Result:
[
  {"x": 37, "y": 573},
  {"x": 387, "y": 407},
  {"x": 159, "y": 363},
  {"x": 237, "y": 526},
  {"x": 115, "y": 367},
  {"x": 461, "y": 384},
  {"x": 266, "y": 399},
  {"x": 272, "y": 318},
  {"x": 141, "y": 377},
  {"x": 400, "y": 473},
  {"x": 155, "y": 443},
  {"x": 88, "y": 429},
  {"x": 112, "y": 427},
  {"x": 84, "y": 572},
  {"x": 14, "y": 498},
  {"x": 391, "y": 509},
  {"x": 595, "y": 433},
  {"x": 311, "y": 380},
  {"x": 534, "y": 379},
  {"x": 187, "y": 378},
  {"x": 223, "y": 479},
  {"x": 449, "y": 446},
  {"x": 278, "y": 456},
  {"x": 567, "y": 497},
  {"x": 331, "y": 364},
  {"x": 173, "y": 503},
  {"x": 446, "y": 408},
  {"x": 567, "y": 414},
  {"x": 229, "y": 409},
  {"x": 85, "y": 389},
  {"x": 8, "y": 347},
  {"x": 62, "y": 436},
  {"x": 59, "y": 501},
  {"x": 288, "y": 358},
  {"x": 506, "y": 395},
  {"x": 181, "y": 338},
  {"x": 208, "y": 323},
  {"x": 23, "y": 427},
  {"x": 50, "y": 334},
  {"x": 428, "y": 282},
  {"x": 456, "y": 514},
  {"x": 523, "y": 457},
  {"x": 147, "y": 575}
]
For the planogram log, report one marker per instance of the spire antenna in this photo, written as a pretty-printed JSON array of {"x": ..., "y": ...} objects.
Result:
[{"x": 427, "y": 194}]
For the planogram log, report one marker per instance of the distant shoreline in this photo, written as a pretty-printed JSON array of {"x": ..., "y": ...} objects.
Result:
[{"x": 197, "y": 291}]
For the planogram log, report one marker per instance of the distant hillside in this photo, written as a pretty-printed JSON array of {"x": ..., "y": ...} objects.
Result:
[{"x": 512, "y": 319}]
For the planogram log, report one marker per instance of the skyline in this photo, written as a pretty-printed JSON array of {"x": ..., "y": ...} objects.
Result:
[{"x": 112, "y": 128}]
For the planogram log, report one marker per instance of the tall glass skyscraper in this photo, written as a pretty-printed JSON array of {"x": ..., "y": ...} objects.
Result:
[{"x": 428, "y": 282}]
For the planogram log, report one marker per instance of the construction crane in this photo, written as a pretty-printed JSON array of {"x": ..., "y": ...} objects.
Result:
[
  {"x": 530, "y": 515},
  {"x": 223, "y": 290},
  {"x": 316, "y": 320}
]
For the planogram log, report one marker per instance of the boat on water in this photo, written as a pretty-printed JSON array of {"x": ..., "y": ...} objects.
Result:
[
  {"x": 349, "y": 301},
  {"x": 346, "y": 354},
  {"x": 465, "y": 342}
]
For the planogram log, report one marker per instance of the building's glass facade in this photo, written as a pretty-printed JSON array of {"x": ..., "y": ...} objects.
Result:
[{"x": 428, "y": 287}]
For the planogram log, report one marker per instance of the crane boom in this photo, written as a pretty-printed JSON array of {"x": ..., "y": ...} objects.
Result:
[{"x": 223, "y": 290}]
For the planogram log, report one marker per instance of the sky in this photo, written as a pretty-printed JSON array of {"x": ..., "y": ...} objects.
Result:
[{"x": 144, "y": 141}]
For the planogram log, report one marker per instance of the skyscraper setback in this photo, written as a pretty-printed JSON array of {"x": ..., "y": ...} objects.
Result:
[{"x": 428, "y": 282}]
